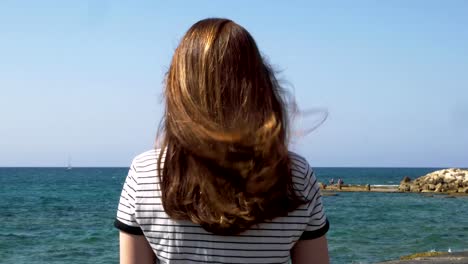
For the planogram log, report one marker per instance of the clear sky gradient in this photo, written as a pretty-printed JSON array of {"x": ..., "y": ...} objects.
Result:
[{"x": 85, "y": 78}]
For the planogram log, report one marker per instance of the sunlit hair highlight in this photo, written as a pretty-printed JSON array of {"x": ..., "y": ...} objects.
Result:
[{"x": 225, "y": 132}]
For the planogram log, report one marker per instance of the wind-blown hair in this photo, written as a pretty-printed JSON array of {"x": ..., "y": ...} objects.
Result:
[{"x": 225, "y": 133}]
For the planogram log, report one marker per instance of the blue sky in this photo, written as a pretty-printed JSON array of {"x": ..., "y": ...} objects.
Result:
[{"x": 85, "y": 78}]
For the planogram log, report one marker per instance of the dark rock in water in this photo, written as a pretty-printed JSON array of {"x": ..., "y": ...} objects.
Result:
[
  {"x": 427, "y": 195},
  {"x": 449, "y": 196},
  {"x": 406, "y": 179}
]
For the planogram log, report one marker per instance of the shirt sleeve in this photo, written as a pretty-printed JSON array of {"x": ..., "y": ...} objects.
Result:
[
  {"x": 125, "y": 220},
  {"x": 318, "y": 224}
]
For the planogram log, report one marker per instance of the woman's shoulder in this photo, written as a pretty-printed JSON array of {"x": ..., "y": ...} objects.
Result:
[
  {"x": 146, "y": 160},
  {"x": 303, "y": 175},
  {"x": 299, "y": 164}
]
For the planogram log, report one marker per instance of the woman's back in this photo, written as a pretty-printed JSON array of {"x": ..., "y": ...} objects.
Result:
[
  {"x": 226, "y": 189},
  {"x": 178, "y": 241}
]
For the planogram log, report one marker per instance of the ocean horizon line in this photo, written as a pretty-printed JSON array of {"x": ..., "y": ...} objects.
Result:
[{"x": 316, "y": 167}]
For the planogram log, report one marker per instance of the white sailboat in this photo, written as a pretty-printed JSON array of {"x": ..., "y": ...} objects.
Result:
[{"x": 69, "y": 166}]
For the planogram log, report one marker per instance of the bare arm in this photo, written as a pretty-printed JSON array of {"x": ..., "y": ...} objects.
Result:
[
  {"x": 311, "y": 251},
  {"x": 135, "y": 249}
]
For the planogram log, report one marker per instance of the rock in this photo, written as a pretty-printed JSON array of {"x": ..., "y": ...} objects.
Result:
[
  {"x": 452, "y": 186},
  {"x": 444, "y": 187},
  {"x": 406, "y": 179},
  {"x": 449, "y": 179},
  {"x": 444, "y": 181},
  {"x": 439, "y": 180},
  {"x": 404, "y": 188},
  {"x": 415, "y": 188},
  {"x": 463, "y": 190}
]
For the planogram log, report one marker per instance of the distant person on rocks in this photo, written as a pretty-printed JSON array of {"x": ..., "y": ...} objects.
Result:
[{"x": 222, "y": 187}]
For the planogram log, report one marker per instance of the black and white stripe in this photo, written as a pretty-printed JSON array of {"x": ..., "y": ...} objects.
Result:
[{"x": 140, "y": 212}]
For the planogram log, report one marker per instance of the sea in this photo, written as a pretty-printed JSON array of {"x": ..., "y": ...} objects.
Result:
[{"x": 55, "y": 215}]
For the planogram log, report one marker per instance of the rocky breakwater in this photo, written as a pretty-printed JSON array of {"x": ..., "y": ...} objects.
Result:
[{"x": 441, "y": 181}]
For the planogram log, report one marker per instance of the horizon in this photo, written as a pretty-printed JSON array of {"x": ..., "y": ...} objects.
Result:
[
  {"x": 84, "y": 79},
  {"x": 316, "y": 167}
]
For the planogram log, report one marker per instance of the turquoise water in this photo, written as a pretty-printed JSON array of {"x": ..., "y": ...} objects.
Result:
[{"x": 51, "y": 215}]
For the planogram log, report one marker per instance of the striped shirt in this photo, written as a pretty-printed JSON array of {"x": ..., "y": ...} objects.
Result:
[{"x": 140, "y": 212}]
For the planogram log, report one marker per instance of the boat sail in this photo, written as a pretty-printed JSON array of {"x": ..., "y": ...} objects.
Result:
[{"x": 69, "y": 166}]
